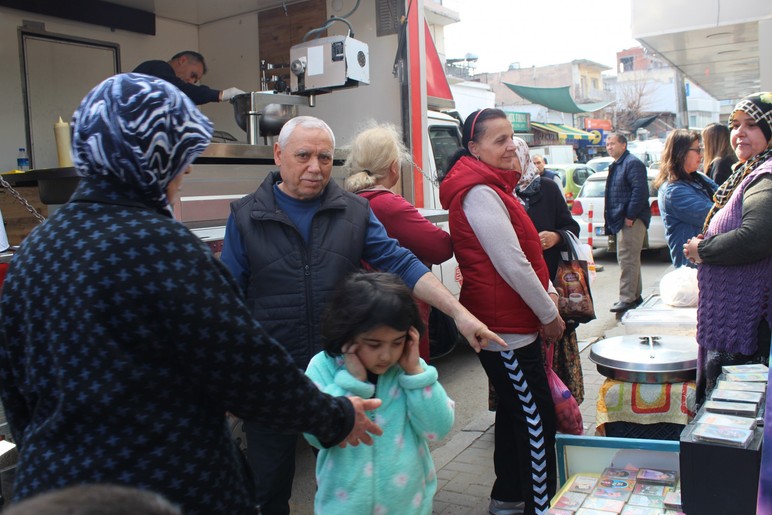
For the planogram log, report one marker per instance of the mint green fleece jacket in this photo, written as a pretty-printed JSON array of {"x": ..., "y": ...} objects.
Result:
[{"x": 396, "y": 474}]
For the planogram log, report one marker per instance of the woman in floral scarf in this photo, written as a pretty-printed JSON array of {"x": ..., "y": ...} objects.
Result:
[{"x": 547, "y": 209}]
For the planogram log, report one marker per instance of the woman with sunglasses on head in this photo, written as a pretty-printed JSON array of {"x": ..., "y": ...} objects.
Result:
[
  {"x": 685, "y": 195},
  {"x": 506, "y": 284},
  {"x": 734, "y": 314}
]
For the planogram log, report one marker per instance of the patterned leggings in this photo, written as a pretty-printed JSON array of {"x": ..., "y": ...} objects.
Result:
[{"x": 524, "y": 456}]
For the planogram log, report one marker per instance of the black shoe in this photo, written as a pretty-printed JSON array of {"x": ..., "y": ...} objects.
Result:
[{"x": 621, "y": 307}]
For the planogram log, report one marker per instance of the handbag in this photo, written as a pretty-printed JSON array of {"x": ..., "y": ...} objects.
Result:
[
  {"x": 572, "y": 282},
  {"x": 567, "y": 413}
]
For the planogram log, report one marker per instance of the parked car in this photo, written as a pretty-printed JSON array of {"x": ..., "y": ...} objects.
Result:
[
  {"x": 592, "y": 196},
  {"x": 600, "y": 164},
  {"x": 573, "y": 176}
]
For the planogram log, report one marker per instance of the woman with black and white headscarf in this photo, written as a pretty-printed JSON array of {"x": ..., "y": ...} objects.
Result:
[
  {"x": 123, "y": 341},
  {"x": 734, "y": 311}
]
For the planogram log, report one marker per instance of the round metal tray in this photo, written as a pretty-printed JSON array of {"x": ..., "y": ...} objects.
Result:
[{"x": 646, "y": 358}]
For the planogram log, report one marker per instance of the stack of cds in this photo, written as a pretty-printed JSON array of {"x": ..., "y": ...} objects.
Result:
[{"x": 735, "y": 406}]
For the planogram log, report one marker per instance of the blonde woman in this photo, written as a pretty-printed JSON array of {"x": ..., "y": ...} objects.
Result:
[{"x": 374, "y": 164}]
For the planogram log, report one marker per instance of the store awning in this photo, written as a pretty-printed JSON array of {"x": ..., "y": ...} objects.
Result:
[
  {"x": 556, "y": 99},
  {"x": 564, "y": 132}
]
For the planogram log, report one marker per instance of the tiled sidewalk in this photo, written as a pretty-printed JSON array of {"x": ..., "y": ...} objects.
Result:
[{"x": 465, "y": 463}]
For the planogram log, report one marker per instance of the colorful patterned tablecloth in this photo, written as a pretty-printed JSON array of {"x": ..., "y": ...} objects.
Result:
[{"x": 640, "y": 403}]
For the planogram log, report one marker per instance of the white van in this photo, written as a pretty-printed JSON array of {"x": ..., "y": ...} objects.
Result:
[{"x": 445, "y": 140}]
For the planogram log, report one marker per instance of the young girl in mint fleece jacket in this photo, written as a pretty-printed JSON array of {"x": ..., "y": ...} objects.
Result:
[{"x": 371, "y": 332}]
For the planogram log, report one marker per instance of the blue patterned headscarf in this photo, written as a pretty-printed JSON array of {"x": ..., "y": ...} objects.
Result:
[{"x": 140, "y": 130}]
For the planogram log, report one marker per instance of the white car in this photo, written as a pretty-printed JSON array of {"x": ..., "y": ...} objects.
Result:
[
  {"x": 600, "y": 164},
  {"x": 592, "y": 196}
]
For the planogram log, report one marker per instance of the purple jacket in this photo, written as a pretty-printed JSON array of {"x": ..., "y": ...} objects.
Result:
[{"x": 733, "y": 299}]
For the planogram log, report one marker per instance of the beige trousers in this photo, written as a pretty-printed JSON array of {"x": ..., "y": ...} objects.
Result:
[{"x": 629, "y": 245}]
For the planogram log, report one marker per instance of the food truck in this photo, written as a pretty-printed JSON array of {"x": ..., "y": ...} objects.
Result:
[{"x": 347, "y": 62}]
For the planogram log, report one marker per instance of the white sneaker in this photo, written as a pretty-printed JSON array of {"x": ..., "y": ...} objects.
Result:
[{"x": 497, "y": 507}]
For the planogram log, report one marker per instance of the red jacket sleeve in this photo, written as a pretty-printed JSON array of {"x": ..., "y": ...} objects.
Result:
[{"x": 403, "y": 222}]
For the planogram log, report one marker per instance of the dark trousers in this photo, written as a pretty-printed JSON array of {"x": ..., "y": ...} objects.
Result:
[
  {"x": 711, "y": 362},
  {"x": 271, "y": 456},
  {"x": 524, "y": 455}
]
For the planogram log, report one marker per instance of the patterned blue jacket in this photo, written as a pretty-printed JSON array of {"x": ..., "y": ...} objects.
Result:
[{"x": 123, "y": 343}]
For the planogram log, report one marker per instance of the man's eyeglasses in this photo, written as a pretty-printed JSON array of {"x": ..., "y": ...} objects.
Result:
[{"x": 698, "y": 150}]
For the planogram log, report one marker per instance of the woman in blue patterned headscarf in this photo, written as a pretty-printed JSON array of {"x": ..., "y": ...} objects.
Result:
[
  {"x": 138, "y": 131},
  {"x": 123, "y": 341}
]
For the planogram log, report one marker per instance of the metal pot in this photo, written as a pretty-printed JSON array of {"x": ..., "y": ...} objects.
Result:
[
  {"x": 272, "y": 117},
  {"x": 646, "y": 359}
]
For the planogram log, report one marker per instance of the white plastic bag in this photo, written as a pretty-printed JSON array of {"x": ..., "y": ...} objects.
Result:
[{"x": 679, "y": 287}]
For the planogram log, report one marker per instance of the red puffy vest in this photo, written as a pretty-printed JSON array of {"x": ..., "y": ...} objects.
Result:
[{"x": 484, "y": 292}]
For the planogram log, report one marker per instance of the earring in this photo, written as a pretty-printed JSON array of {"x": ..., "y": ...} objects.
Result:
[{"x": 477, "y": 157}]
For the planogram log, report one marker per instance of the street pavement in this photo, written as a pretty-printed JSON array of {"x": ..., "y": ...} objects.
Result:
[{"x": 465, "y": 463}]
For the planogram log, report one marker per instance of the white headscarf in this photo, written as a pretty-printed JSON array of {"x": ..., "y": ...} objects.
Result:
[{"x": 530, "y": 172}]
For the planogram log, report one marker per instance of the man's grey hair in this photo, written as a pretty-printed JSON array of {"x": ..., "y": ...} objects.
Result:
[{"x": 306, "y": 122}]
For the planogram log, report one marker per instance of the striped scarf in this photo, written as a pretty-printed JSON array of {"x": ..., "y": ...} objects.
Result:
[{"x": 724, "y": 192}]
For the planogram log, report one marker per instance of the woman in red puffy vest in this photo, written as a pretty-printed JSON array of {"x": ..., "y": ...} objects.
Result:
[{"x": 506, "y": 285}]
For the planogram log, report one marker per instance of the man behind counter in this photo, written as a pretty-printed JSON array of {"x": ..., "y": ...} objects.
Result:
[{"x": 185, "y": 70}]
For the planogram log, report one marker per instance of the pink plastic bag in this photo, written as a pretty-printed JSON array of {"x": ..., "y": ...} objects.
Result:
[{"x": 569, "y": 418}]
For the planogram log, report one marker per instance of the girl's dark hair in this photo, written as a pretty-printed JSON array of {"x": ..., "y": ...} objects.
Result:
[
  {"x": 365, "y": 301},
  {"x": 474, "y": 127},
  {"x": 674, "y": 153}
]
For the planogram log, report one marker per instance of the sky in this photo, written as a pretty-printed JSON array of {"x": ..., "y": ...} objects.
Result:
[{"x": 538, "y": 32}]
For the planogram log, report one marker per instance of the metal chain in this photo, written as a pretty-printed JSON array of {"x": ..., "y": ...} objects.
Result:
[
  {"x": 21, "y": 200},
  {"x": 434, "y": 180}
]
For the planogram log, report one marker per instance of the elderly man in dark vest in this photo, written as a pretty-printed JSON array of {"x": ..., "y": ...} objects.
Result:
[{"x": 289, "y": 245}]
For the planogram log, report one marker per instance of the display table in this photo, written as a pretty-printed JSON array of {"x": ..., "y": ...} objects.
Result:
[{"x": 663, "y": 407}]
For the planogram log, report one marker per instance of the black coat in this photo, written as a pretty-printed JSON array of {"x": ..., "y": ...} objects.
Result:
[
  {"x": 123, "y": 343},
  {"x": 548, "y": 212},
  {"x": 198, "y": 93}
]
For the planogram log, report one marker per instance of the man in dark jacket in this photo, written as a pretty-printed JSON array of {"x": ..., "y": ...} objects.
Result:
[
  {"x": 541, "y": 162},
  {"x": 289, "y": 245},
  {"x": 627, "y": 215},
  {"x": 185, "y": 70}
]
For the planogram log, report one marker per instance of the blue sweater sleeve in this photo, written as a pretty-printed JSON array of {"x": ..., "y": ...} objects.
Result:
[
  {"x": 384, "y": 253},
  {"x": 234, "y": 254}
]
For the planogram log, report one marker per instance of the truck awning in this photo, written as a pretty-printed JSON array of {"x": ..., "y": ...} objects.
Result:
[
  {"x": 556, "y": 99},
  {"x": 564, "y": 132},
  {"x": 437, "y": 88}
]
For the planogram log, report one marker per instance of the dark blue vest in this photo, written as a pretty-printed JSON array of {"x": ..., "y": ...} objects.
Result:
[{"x": 290, "y": 281}]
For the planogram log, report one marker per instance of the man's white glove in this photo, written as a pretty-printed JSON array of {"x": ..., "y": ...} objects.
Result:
[{"x": 229, "y": 93}]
